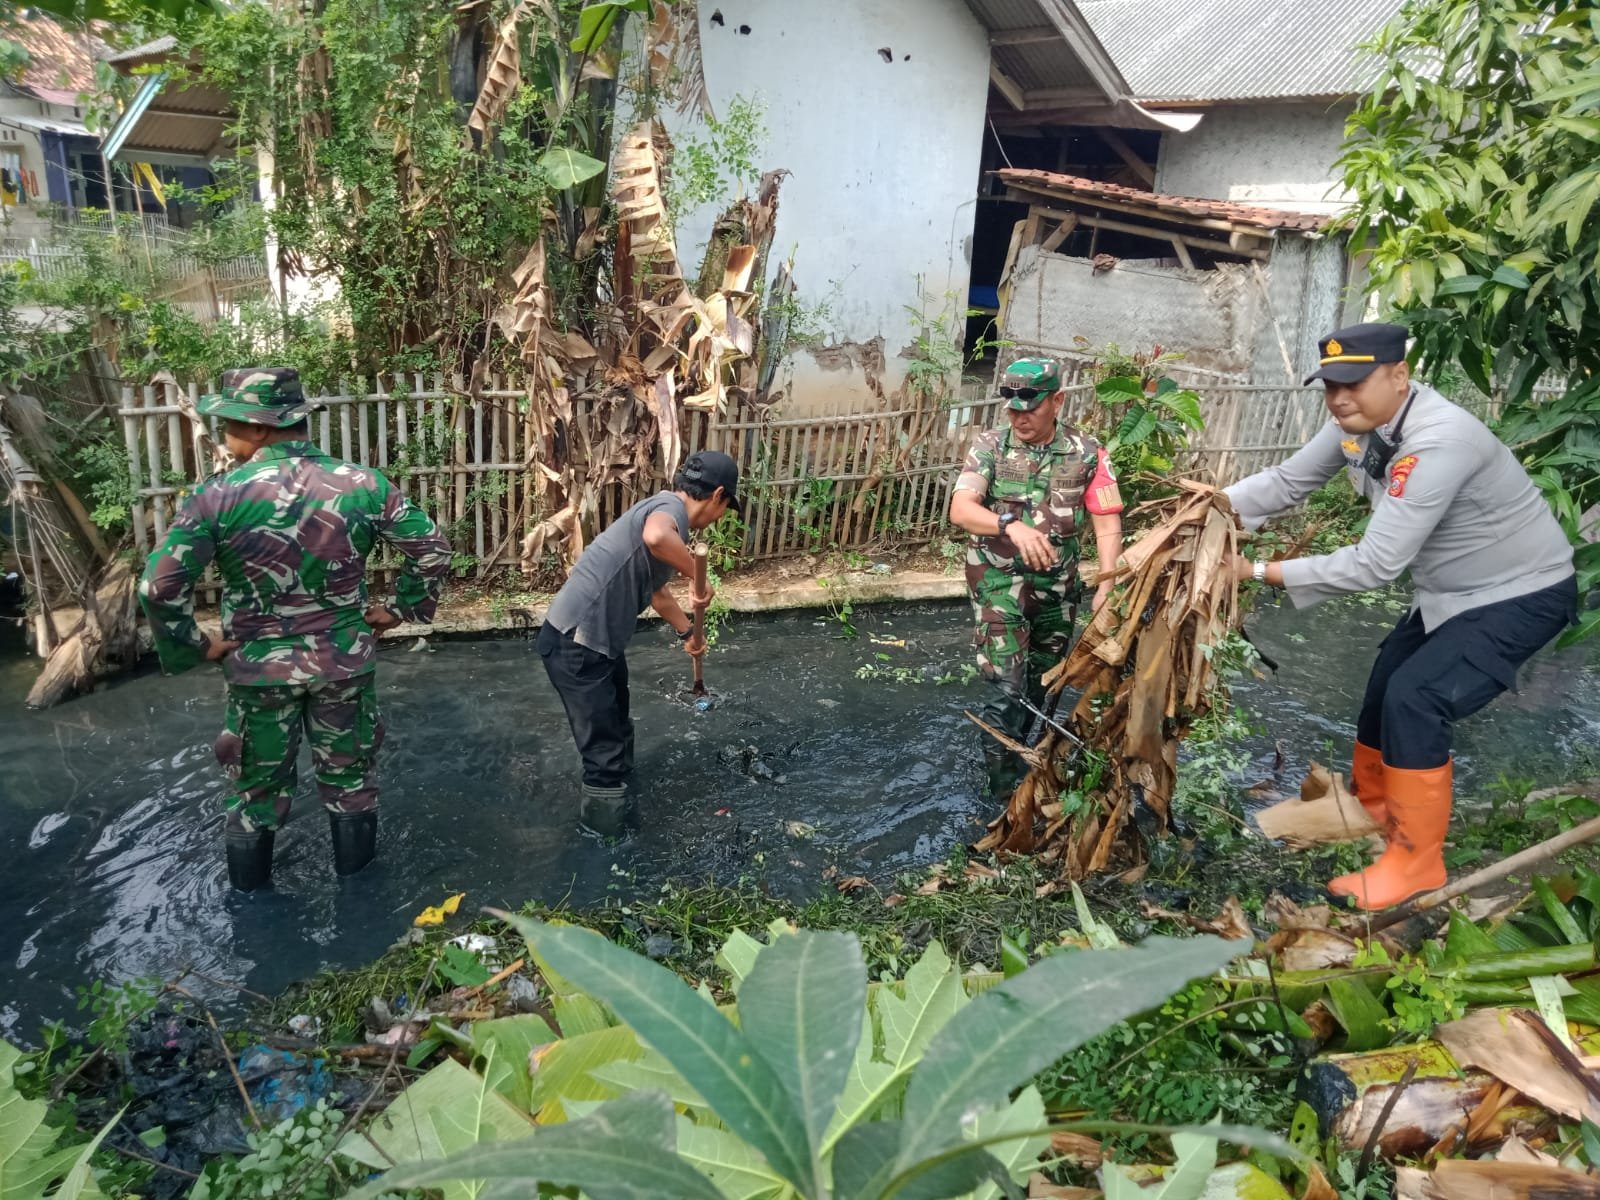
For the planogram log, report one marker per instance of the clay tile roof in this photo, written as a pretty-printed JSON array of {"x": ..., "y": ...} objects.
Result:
[
  {"x": 1154, "y": 203},
  {"x": 60, "y": 61}
]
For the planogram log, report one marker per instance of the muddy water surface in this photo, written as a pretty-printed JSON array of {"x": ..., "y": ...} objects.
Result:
[{"x": 110, "y": 830}]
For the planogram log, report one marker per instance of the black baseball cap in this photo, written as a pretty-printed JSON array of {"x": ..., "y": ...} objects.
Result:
[
  {"x": 1349, "y": 355},
  {"x": 713, "y": 469}
]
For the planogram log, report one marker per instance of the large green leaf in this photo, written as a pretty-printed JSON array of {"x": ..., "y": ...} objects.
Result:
[
  {"x": 566, "y": 1069},
  {"x": 713, "y": 1057},
  {"x": 737, "y": 1170},
  {"x": 80, "y": 1182},
  {"x": 622, "y": 1151},
  {"x": 28, "y": 1162},
  {"x": 801, "y": 1007},
  {"x": 869, "y": 1084},
  {"x": 1025, "y": 1115},
  {"x": 565, "y": 167},
  {"x": 448, "y": 1111},
  {"x": 649, "y": 1073},
  {"x": 596, "y": 21},
  {"x": 864, "y": 1169},
  {"x": 932, "y": 995},
  {"x": 505, "y": 1045},
  {"x": 909, "y": 1015},
  {"x": 1007, "y": 1035}
]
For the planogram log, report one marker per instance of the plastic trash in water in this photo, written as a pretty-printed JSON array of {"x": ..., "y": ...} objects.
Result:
[
  {"x": 280, "y": 1083},
  {"x": 306, "y": 1026}
]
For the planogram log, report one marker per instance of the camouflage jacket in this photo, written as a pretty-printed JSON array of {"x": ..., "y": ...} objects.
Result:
[
  {"x": 290, "y": 532},
  {"x": 1044, "y": 485}
]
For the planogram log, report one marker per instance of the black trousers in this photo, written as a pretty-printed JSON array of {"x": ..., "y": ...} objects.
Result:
[
  {"x": 1423, "y": 683},
  {"x": 594, "y": 691}
]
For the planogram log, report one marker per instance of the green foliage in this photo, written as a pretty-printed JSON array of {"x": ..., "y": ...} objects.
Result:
[
  {"x": 935, "y": 360},
  {"x": 724, "y": 543},
  {"x": 14, "y": 58},
  {"x": 1145, "y": 425},
  {"x": 294, "y": 1159},
  {"x": 416, "y": 218},
  {"x": 882, "y": 1089},
  {"x": 1183, "y": 1063},
  {"x": 31, "y": 1163},
  {"x": 1472, "y": 163},
  {"x": 116, "y": 1006},
  {"x": 726, "y": 160}
]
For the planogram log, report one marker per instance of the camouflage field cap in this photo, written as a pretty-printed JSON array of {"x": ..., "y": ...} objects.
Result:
[
  {"x": 259, "y": 396},
  {"x": 1029, "y": 382}
]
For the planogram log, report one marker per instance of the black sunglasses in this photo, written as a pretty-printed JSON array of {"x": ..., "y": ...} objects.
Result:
[{"x": 1023, "y": 393}]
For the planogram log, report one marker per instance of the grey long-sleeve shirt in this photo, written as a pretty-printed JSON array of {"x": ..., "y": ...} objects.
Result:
[{"x": 1457, "y": 509}]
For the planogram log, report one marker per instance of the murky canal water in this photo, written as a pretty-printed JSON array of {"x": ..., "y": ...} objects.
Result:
[{"x": 110, "y": 827}]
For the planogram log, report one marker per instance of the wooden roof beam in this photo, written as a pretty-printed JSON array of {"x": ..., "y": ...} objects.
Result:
[
  {"x": 1039, "y": 213},
  {"x": 1007, "y": 87},
  {"x": 1125, "y": 152},
  {"x": 1033, "y": 195},
  {"x": 1030, "y": 36}
]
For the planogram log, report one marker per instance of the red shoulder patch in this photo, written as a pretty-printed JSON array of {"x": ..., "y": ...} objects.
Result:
[{"x": 1399, "y": 473}]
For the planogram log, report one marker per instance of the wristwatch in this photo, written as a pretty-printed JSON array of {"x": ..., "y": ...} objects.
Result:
[
  {"x": 1259, "y": 574},
  {"x": 686, "y": 634},
  {"x": 1005, "y": 520}
]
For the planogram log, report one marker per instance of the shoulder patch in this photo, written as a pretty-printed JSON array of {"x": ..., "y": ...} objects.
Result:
[{"x": 1399, "y": 473}]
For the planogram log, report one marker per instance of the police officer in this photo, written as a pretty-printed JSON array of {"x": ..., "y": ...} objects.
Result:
[
  {"x": 290, "y": 530},
  {"x": 1492, "y": 573},
  {"x": 1020, "y": 495}
]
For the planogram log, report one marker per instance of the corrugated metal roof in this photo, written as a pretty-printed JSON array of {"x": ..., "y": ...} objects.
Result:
[
  {"x": 46, "y": 125},
  {"x": 1092, "y": 190},
  {"x": 1054, "y": 63},
  {"x": 168, "y": 118},
  {"x": 1215, "y": 50}
]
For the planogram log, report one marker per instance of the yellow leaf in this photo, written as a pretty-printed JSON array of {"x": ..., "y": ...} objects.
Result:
[{"x": 436, "y": 916}]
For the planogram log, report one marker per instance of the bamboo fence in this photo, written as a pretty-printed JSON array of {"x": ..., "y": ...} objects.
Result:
[{"x": 858, "y": 474}]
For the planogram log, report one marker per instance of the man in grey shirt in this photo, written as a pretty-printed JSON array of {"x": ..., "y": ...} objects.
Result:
[
  {"x": 1492, "y": 571},
  {"x": 593, "y": 616}
]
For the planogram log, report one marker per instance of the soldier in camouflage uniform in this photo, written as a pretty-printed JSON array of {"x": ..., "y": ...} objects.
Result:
[
  {"x": 290, "y": 530},
  {"x": 1019, "y": 495}
]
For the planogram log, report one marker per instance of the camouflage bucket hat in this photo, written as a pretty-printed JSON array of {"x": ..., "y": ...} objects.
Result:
[
  {"x": 1028, "y": 383},
  {"x": 259, "y": 396}
]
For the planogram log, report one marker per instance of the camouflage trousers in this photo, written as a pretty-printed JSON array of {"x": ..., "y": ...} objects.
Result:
[
  {"x": 1024, "y": 626},
  {"x": 260, "y": 743}
]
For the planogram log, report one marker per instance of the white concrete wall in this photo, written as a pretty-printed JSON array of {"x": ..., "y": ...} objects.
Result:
[
  {"x": 1274, "y": 155},
  {"x": 25, "y": 220},
  {"x": 1211, "y": 317},
  {"x": 884, "y": 159}
]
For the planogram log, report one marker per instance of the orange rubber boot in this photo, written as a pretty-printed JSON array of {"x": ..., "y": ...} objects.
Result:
[
  {"x": 1413, "y": 861},
  {"x": 1366, "y": 772}
]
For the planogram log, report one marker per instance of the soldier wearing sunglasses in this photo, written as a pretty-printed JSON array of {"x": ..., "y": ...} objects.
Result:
[{"x": 1021, "y": 495}]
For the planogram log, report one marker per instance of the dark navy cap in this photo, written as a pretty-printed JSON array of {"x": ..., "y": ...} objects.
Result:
[
  {"x": 1349, "y": 355},
  {"x": 714, "y": 469}
]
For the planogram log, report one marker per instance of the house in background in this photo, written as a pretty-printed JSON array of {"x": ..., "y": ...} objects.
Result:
[
  {"x": 881, "y": 111},
  {"x": 1272, "y": 82},
  {"x": 48, "y": 156},
  {"x": 1211, "y": 239},
  {"x": 1242, "y": 291}
]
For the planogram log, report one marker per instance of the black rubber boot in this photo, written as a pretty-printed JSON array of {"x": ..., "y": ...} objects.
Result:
[
  {"x": 1003, "y": 769},
  {"x": 355, "y": 840},
  {"x": 250, "y": 858},
  {"x": 606, "y": 810}
]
